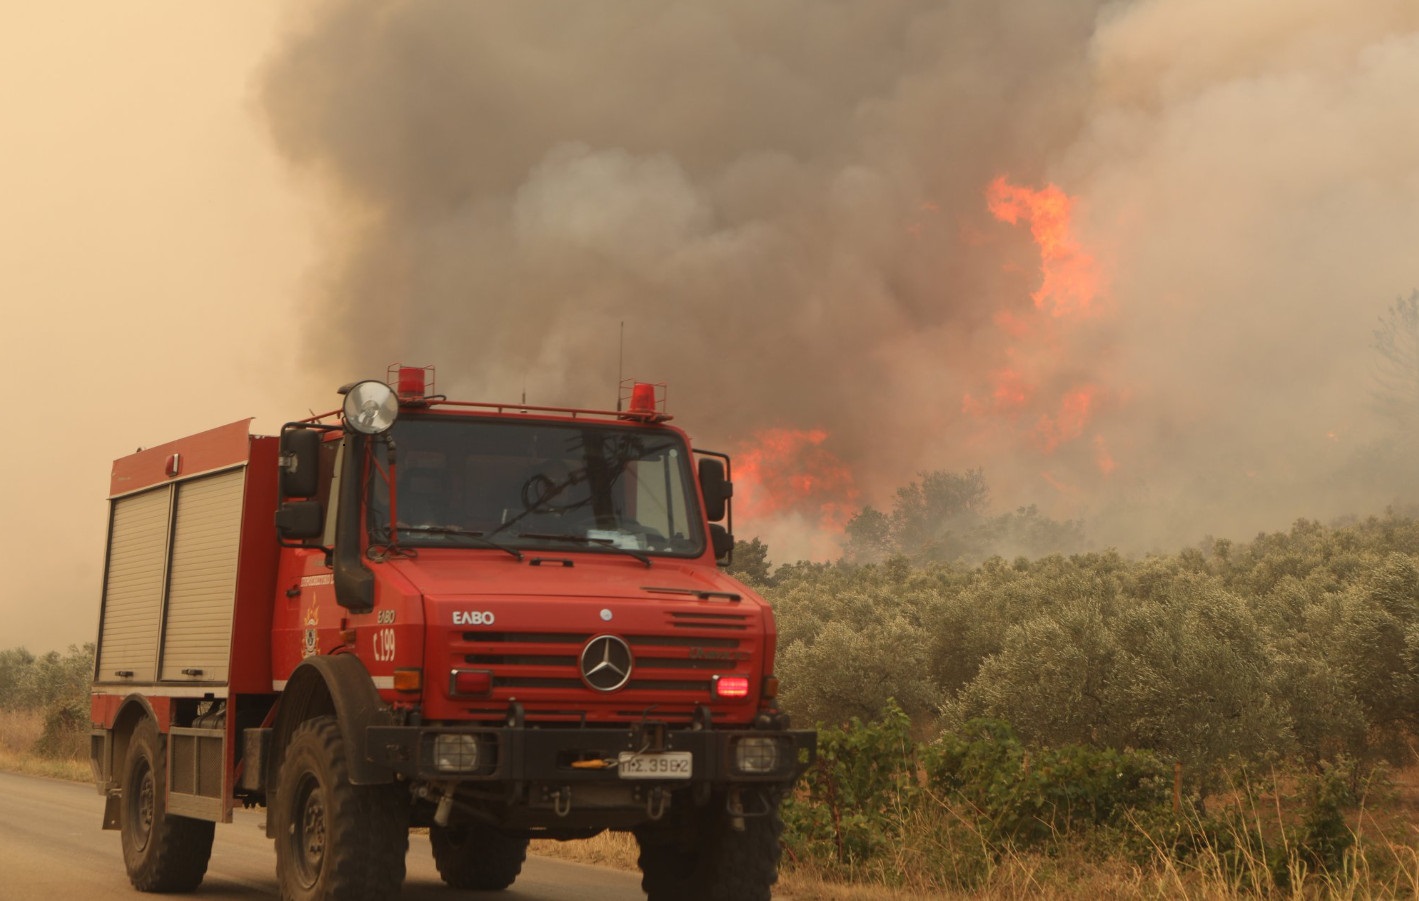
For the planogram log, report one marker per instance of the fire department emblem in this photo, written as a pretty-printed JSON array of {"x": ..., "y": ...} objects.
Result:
[{"x": 310, "y": 646}]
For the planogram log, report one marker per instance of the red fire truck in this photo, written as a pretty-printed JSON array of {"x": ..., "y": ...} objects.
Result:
[{"x": 499, "y": 622}]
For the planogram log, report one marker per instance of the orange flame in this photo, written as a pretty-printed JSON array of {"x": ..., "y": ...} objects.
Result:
[
  {"x": 1068, "y": 424},
  {"x": 1071, "y": 276},
  {"x": 1036, "y": 396},
  {"x": 789, "y": 471}
]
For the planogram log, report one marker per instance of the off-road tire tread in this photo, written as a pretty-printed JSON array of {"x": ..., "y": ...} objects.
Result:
[
  {"x": 179, "y": 848},
  {"x": 728, "y": 865},
  {"x": 491, "y": 864},
  {"x": 366, "y": 826}
]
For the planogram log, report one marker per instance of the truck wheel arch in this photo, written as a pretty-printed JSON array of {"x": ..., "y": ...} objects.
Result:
[
  {"x": 337, "y": 685},
  {"x": 134, "y": 710}
]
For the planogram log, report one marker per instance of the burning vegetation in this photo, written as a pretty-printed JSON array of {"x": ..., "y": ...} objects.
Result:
[{"x": 1037, "y": 402}]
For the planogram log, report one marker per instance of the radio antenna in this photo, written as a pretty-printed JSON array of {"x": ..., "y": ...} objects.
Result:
[{"x": 621, "y": 366}]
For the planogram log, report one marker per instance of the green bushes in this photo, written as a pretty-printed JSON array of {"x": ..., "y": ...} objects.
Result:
[
  {"x": 1298, "y": 647},
  {"x": 1026, "y": 796},
  {"x": 875, "y": 796},
  {"x": 865, "y": 775},
  {"x": 1295, "y": 654},
  {"x": 950, "y": 813}
]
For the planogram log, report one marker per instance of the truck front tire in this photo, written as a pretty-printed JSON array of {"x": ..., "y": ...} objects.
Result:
[
  {"x": 162, "y": 853},
  {"x": 335, "y": 841},
  {"x": 475, "y": 856},
  {"x": 706, "y": 859}
]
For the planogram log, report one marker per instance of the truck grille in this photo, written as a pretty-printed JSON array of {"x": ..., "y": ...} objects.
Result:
[{"x": 698, "y": 647}]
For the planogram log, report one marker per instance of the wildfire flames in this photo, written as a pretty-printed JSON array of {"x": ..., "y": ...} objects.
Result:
[
  {"x": 787, "y": 471},
  {"x": 1071, "y": 276},
  {"x": 1034, "y": 395},
  {"x": 1035, "y": 398}
]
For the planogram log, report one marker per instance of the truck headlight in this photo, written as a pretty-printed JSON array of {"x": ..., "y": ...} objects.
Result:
[
  {"x": 370, "y": 407},
  {"x": 455, "y": 753},
  {"x": 756, "y": 755}
]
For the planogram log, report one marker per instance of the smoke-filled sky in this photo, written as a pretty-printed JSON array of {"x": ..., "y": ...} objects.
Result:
[{"x": 221, "y": 213}]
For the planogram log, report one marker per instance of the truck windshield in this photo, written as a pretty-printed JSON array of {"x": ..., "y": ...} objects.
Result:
[{"x": 470, "y": 482}]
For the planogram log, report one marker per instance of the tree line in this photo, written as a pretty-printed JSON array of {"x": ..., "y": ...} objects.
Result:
[
  {"x": 1298, "y": 646},
  {"x": 29, "y": 682}
]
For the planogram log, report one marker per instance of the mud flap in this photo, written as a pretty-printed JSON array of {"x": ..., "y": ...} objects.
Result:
[{"x": 111, "y": 804}]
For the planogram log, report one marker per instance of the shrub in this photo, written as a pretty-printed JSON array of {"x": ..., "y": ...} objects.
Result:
[
  {"x": 1030, "y": 796},
  {"x": 865, "y": 773},
  {"x": 1326, "y": 839},
  {"x": 66, "y": 732}
]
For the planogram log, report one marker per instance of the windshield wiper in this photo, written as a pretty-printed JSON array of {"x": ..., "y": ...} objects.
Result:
[
  {"x": 607, "y": 543},
  {"x": 481, "y": 537}
]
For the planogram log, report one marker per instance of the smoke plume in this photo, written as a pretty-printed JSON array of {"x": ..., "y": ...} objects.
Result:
[{"x": 787, "y": 206}]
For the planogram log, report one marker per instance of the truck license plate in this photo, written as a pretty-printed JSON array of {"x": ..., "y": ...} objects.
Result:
[{"x": 663, "y": 765}]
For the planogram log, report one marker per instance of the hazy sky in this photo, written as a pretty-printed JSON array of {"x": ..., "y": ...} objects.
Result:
[
  {"x": 151, "y": 252},
  {"x": 215, "y": 211}
]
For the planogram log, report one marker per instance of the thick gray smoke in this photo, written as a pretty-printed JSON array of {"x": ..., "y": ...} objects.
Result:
[{"x": 785, "y": 204}]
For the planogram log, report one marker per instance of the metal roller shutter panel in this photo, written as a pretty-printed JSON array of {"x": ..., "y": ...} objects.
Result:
[
  {"x": 133, "y": 587},
  {"x": 202, "y": 581}
]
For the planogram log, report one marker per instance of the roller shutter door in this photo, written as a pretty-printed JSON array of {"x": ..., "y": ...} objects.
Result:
[
  {"x": 133, "y": 587},
  {"x": 202, "y": 580}
]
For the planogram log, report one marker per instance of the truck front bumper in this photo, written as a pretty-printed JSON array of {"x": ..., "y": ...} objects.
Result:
[{"x": 646, "y": 753}]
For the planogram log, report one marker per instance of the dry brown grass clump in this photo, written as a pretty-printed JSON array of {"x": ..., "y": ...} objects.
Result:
[
  {"x": 609, "y": 849},
  {"x": 20, "y": 732}
]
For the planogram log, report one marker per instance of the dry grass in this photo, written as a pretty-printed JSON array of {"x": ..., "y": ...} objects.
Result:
[
  {"x": 1014, "y": 877},
  {"x": 618, "y": 850},
  {"x": 609, "y": 849},
  {"x": 1385, "y": 865},
  {"x": 943, "y": 855},
  {"x": 19, "y": 731}
]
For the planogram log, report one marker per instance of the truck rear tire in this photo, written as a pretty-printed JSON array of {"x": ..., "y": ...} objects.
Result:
[
  {"x": 706, "y": 859},
  {"x": 162, "y": 852},
  {"x": 475, "y": 856},
  {"x": 335, "y": 841}
]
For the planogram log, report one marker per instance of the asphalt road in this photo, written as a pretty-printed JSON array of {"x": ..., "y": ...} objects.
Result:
[{"x": 52, "y": 847}]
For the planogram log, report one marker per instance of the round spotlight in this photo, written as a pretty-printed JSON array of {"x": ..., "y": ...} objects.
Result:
[{"x": 370, "y": 407}]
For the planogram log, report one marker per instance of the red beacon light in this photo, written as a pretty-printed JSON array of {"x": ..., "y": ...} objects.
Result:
[
  {"x": 642, "y": 397},
  {"x": 411, "y": 383},
  {"x": 645, "y": 401}
]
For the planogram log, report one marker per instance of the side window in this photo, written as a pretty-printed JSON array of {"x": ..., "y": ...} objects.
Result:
[{"x": 659, "y": 490}]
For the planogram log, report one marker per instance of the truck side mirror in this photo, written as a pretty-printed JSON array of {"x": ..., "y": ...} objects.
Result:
[
  {"x": 722, "y": 541},
  {"x": 716, "y": 488},
  {"x": 299, "y": 520},
  {"x": 300, "y": 462}
]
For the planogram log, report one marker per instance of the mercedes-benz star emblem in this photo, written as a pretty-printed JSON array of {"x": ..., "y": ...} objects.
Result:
[{"x": 606, "y": 663}]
